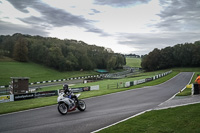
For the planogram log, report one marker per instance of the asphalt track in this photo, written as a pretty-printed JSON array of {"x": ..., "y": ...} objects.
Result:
[{"x": 101, "y": 111}]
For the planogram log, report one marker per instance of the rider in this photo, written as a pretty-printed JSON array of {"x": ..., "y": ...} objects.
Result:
[
  {"x": 198, "y": 79},
  {"x": 69, "y": 93}
]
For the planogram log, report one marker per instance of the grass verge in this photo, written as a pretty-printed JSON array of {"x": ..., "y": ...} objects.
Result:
[
  {"x": 188, "y": 90},
  {"x": 35, "y": 71},
  {"x": 113, "y": 82},
  {"x": 175, "y": 120},
  {"x": 40, "y": 102},
  {"x": 27, "y": 104}
]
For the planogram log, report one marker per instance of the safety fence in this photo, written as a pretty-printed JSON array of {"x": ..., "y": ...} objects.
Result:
[
  {"x": 115, "y": 86},
  {"x": 17, "y": 97},
  {"x": 136, "y": 82},
  {"x": 59, "y": 80}
]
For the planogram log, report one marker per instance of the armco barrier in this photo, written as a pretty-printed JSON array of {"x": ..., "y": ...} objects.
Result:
[
  {"x": 24, "y": 96},
  {"x": 59, "y": 80},
  {"x": 127, "y": 84},
  {"x": 96, "y": 87},
  {"x": 17, "y": 97},
  {"x": 6, "y": 98},
  {"x": 136, "y": 82},
  {"x": 46, "y": 93},
  {"x": 35, "y": 95},
  {"x": 81, "y": 89}
]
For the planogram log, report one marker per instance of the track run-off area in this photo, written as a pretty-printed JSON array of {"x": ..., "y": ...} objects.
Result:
[{"x": 101, "y": 111}]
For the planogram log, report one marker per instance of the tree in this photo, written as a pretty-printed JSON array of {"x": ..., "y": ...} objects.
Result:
[
  {"x": 21, "y": 50},
  {"x": 166, "y": 59},
  {"x": 153, "y": 60},
  {"x": 56, "y": 59}
]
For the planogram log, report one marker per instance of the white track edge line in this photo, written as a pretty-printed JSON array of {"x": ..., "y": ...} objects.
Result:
[
  {"x": 122, "y": 120},
  {"x": 142, "y": 111},
  {"x": 83, "y": 99},
  {"x": 177, "y": 92}
]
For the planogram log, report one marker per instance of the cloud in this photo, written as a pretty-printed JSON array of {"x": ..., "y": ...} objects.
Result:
[
  {"x": 179, "y": 23},
  {"x": 9, "y": 28},
  {"x": 95, "y": 11},
  {"x": 96, "y": 30},
  {"x": 146, "y": 42},
  {"x": 53, "y": 17},
  {"x": 180, "y": 15},
  {"x": 50, "y": 15},
  {"x": 120, "y": 3}
]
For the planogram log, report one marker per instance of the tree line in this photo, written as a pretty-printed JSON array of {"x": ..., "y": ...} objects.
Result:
[
  {"x": 63, "y": 55},
  {"x": 180, "y": 55}
]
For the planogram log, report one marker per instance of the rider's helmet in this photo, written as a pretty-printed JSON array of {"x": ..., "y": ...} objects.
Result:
[{"x": 65, "y": 88}]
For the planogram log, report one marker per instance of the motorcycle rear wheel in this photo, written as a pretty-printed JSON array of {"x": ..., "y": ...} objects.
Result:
[
  {"x": 62, "y": 108},
  {"x": 81, "y": 105}
]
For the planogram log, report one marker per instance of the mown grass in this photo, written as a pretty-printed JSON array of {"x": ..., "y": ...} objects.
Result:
[
  {"x": 184, "y": 119},
  {"x": 110, "y": 85},
  {"x": 40, "y": 102},
  {"x": 133, "y": 62},
  {"x": 35, "y": 71},
  {"x": 15, "y": 106},
  {"x": 181, "y": 119}
]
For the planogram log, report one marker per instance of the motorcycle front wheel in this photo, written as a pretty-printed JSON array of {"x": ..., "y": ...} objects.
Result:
[
  {"x": 62, "y": 108},
  {"x": 81, "y": 105}
]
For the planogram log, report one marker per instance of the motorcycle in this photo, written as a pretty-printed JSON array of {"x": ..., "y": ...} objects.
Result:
[{"x": 66, "y": 104}]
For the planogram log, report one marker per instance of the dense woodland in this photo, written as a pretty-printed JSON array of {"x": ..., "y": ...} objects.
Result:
[
  {"x": 63, "y": 55},
  {"x": 180, "y": 55}
]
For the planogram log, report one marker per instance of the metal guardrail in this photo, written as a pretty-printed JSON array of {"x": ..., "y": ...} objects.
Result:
[
  {"x": 59, "y": 80},
  {"x": 4, "y": 91}
]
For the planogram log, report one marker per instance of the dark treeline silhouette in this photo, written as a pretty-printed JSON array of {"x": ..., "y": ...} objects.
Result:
[
  {"x": 63, "y": 55},
  {"x": 180, "y": 55}
]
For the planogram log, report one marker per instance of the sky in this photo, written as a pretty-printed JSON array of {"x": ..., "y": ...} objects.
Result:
[{"x": 125, "y": 26}]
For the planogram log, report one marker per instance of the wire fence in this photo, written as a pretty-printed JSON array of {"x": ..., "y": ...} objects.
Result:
[
  {"x": 5, "y": 91},
  {"x": 116, "y": 85}
]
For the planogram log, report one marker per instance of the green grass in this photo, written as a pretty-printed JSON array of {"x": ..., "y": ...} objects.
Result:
[
  {"x": 181, "y": 119},
  {"x": 188, "y": 91},
  {"x": 10, "y": 68},
  {"x": 113, "y": 84},
  {"x": 27, "y": 104},
  {"x": 133, "y": 62},
  {"x": 184, "y": 119},
  {"x": 36, "y": 72},
  {"x": 40, "y": 102}
]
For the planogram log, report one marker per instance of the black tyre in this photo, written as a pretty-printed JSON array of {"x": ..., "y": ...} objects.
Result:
[
  {"x": 62, "y": 108},
  {"x": 81, "y": 105}
]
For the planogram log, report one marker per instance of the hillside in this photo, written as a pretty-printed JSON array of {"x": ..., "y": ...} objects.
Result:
[
  {"x": 35, "y": 71},
  {"x": 62, "y": 55},
  {"x": 180, "y": 55},
  {"x": 133, "y": 62}
]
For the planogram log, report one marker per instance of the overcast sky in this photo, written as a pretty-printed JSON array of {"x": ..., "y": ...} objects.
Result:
[{"x": 125, "y": 26}]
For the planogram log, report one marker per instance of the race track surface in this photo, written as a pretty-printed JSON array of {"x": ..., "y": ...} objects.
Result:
[{"x": 101, "y": 111}]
